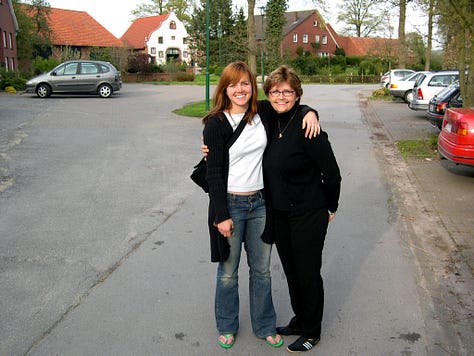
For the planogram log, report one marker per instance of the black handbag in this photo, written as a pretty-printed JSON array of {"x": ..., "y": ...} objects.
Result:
[{"x": 198, "y": 175}]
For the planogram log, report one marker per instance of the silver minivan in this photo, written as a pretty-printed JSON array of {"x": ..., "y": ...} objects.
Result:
[
  {"x": 81, "y": 76},
  {"x": 430, "y": 84}
]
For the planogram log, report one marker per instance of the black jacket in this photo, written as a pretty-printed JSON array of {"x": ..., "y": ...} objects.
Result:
[{"x": 300, "y": 174}]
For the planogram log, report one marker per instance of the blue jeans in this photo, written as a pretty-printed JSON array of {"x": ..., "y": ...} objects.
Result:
[{"x": 248, "y": 215}]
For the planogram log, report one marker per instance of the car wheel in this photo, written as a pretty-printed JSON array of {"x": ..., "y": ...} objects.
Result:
[
  {"x": 43, "y": 90},
  {"x": 408, "y": 96},
  {"x": 104, "y": 91}
]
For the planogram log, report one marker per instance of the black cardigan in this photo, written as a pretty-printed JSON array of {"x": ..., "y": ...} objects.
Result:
[
  {"x": 217, "y": 132},
  {"x": 300, "y": 174}
]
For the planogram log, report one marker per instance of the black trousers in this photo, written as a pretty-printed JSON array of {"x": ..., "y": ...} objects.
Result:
[{"x": 299, "y": 240}]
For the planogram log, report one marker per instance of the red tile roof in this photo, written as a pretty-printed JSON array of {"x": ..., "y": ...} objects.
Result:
[
  {"x": 363, "y": 46},
  {"x": 141, "y": 29},
  {"x": 77, "y": 28}
]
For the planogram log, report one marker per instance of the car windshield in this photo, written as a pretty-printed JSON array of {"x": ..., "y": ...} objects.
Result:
[
  {"x": 448, "y": 90},
  {"x": 411, "y": 77}
]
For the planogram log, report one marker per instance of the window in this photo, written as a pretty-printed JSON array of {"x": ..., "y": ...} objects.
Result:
[
  {"x": 89, "y": 68},
  {"x": 153, "y": 50},
  {"x": 185, "y": 40},
  {"x": 172, "y": 25},
  {"x": 315, "y": 23},
  {"x": 160, "y": 39},
  {"x": 68, "y": 69},
  {"x": 104, "y": 68},
  {"x": 161, "y": 54},
  {"x": 10, "y": 41},
  {"x": 185, "y": 54},
  {"x": 317, "y": 39},
  {"x": 305, "y": 38},
  {"x": 295, "y": 37},
  {"x": 5, "y": 39},
  {"x": 173, "y": 38},
  {"x": 325, "y": 39}
]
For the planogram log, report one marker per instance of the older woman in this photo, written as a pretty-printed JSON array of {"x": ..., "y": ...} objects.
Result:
[{"x": 302, "y": 180}]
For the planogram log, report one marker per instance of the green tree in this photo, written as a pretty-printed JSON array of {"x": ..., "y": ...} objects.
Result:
[
  {"x": 275, "y": 21},
  {"x": 457, "y": 25},
  {"x": 224, "y": 42},
  {"x": 34, "y": 38}
]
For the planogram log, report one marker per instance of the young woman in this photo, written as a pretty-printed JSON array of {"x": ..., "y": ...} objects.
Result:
[{"x": 237, "y": 212}]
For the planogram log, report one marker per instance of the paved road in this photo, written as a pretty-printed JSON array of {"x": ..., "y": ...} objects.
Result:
[{"x": 104, "y": 248}]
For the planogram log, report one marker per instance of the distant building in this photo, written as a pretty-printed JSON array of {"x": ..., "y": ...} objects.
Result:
[
  {"x": 77, "y": 31},
  {"x": 8, "y": 29},
  {"x": 162, "y": 37},
  {"x": 308, "y": 31}
]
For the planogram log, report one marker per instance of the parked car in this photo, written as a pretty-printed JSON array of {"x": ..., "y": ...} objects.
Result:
[
  {"x": 456, "y": 139},
  {"x": 428, "y": 85},
  {"x": 81, "y": 76},
  {"x": 394, "y": 75},
  {"x": 446, "y": 98},
  {"x": 404, "y": 87}
]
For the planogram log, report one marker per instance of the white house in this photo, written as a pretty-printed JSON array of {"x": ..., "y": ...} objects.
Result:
[{"x": 162, "y": 37}]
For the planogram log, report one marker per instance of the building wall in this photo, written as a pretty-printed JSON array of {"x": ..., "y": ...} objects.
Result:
[
  {"x": 172, "y": 43},
  {"x": 308, "y": 31},
  {"x": 8, "y": 52}
]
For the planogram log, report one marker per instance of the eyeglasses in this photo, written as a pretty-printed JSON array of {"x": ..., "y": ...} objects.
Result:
[{"x": 286, "y": 93}]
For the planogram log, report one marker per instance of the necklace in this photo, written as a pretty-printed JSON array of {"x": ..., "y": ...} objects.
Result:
[
  {"x": 280, "y": 131},
  {"x": 234, "y": 124}
]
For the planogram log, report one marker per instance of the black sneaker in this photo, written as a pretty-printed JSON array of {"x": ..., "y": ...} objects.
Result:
[{"x": 302, "y": 344}]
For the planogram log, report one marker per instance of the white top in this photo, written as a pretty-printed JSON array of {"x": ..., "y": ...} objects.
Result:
[{"x": 246, "y": 155}]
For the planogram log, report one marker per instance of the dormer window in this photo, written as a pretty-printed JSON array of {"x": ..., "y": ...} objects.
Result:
[{"x": 172, "y": 25}]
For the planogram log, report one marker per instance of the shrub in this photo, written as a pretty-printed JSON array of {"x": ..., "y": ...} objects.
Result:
[
  {"x": 10, "y": 89},
  {"x": 185, "y": 77},
  {"x": 41, "y": 65},
  {"x": 379, "y": 93},
  {"x": 11, "y": 79}
]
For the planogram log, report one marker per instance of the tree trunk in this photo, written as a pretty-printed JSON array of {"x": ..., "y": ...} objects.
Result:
[
  {"x": 429, "y": 42},
  {"x": 401, "y": 34},
  {"x": 252, "y": 50}
]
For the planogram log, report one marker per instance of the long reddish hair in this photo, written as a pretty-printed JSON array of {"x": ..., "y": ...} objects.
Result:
[{"x": 232, "y": 74}]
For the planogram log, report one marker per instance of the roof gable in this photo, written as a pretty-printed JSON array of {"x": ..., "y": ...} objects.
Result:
[
  {"x": 296, "y": 18},
  {"x": 141, "y": 29},
  {"x": 77, "y": 28}
]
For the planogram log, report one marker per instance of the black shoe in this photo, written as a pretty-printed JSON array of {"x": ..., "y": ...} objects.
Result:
[
  {"x": 302, "y": 344},
  {"x": 288, "y": 330}
]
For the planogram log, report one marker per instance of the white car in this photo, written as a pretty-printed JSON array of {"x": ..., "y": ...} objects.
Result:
[
  {"x": 394, "y": 75},
  {"x": 404, "y": 87},
  {"x": 430, "y": 84}
]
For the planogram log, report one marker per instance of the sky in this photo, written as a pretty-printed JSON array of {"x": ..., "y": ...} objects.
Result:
[{"x": 115, "y": 15}]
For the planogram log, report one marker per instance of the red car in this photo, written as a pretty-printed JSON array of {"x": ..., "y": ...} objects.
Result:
[{"x": 456, "y": 139}]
